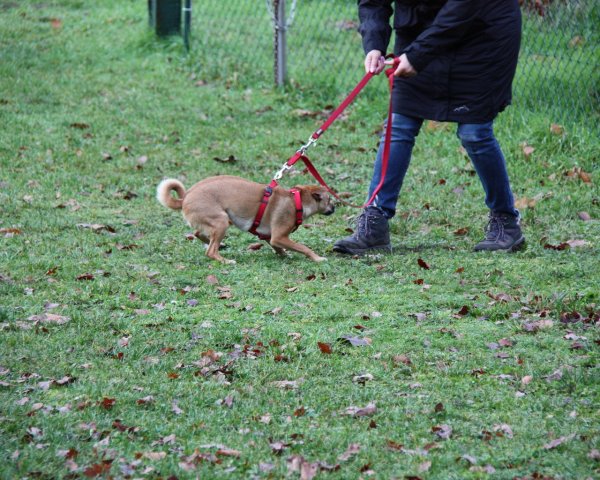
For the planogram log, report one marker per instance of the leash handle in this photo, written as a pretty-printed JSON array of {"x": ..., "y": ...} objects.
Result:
[{"x": 392, "y": 60}]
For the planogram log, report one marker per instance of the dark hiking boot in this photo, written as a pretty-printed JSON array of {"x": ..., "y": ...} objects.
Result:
[
  {"x": 503, "y": 233},
  {"x": 372, "y": 234}
]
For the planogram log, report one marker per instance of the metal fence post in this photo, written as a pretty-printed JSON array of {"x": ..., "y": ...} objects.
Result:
[
  {"x": 280, "y": 42},
  {"x": 187, "y": 23}
]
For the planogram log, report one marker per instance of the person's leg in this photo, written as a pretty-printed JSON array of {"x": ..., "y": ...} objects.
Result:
[
  {"x": 372, "y": 230},
  {"x": 485, "y": 153},
  {"x": 404, "y": 131},
  {"x": 503, "y": 231}
]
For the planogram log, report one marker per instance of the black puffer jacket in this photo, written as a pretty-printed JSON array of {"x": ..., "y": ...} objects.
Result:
[{"x": 465, "y": 53}]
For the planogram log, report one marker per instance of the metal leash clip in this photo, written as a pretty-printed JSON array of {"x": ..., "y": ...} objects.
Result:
[
  {"x": 281, "y": 171},
  {"x": 303, "y": 148},
  {"x": 311, "y": 141}
]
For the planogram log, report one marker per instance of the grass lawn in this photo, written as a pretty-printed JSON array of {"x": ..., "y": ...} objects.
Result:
[{"x": 124, "y": 352}]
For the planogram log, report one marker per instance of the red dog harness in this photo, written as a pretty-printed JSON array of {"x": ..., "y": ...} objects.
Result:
[{"x": 263, "y": 206}]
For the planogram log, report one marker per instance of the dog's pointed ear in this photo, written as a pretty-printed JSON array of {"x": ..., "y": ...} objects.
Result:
[{"x": 317, "y": 196}]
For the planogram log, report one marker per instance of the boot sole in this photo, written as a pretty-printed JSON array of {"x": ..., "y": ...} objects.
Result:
[{"x": 518, "y": 245}]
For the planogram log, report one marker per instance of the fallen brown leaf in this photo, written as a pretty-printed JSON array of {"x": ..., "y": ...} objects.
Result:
[
  {"x": 9, "y": 232},
  {"x": 98, "y": 469},
  {"x": 527, "y": 150},
  {"x": 362, "y": 379},
  {"x": 402, "y": 359},
  {"x": 368, "y": 410},
  {"x": 154, "y": 455},
  {"x": 423, "y": 264},
  {"x": 107, "y": 403},
  {"x": 585, "y": 216},
  {"x": 537, "y": 325},
  {"x": 442, "y": 431},
  {"x": 287, "y": 384},
  {"x": 49, "y": 318},
  {"x": 526, "y": 380},
  {"x": 228, "y": 452},
  {"x": 146, "y": 400},
  {"x": 355, "y": 341},
  {"x": 352, "y": 450},
  {"x": 504, "y": 428},
  {"x": 85, "y": 276},
  {"x": 558, "y": 441}
]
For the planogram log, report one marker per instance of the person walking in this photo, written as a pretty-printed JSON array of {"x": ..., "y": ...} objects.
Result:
[{"x": 457, "y": 61}]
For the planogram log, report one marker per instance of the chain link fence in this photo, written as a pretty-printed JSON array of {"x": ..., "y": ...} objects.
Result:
[{"x": 237, "y": 41}]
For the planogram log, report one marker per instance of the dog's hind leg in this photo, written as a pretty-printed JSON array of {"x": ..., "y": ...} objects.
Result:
[{"x": 217, "y": 229}]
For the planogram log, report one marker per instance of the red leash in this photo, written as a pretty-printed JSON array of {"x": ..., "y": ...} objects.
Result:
[{"x": 300, "y": 155}]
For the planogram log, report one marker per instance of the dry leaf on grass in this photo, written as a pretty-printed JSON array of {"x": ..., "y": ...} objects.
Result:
[
  {"x": 368, "y": 410},
  {"x": 49, "y": 318},
  {"x": 558, "y": 441},
  {"x": 442, "y": 431}
]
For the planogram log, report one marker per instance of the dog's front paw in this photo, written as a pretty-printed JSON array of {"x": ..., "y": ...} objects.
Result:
[{"x": 319, "y": 259}]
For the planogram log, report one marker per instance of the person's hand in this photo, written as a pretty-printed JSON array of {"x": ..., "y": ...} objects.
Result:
[
  {"x": 405, "y": 69},
  {"x": 374, "y": 62}
]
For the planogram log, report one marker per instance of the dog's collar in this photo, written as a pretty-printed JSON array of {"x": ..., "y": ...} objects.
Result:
[{"x": 263, "y": 206}]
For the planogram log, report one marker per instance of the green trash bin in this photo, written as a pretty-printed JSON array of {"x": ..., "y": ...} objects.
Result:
[{"x": 165, "y": 16}]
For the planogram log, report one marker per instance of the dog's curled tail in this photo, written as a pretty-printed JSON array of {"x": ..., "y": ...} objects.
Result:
[{"x": 163, "y": 193}]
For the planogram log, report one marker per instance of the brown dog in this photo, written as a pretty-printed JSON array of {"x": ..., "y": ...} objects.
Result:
[{"x": 213, "y": 204}]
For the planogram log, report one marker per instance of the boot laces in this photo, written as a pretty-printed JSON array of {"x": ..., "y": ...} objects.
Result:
[
  {"x": 494, "y": 229},
  {"x": 364, "y": 222}
]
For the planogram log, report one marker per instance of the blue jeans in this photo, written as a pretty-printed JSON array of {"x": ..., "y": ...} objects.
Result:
[{"x": 481, "y": 146}]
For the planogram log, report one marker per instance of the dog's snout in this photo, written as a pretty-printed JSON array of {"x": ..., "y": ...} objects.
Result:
[{"x": 330, "y": 209}]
